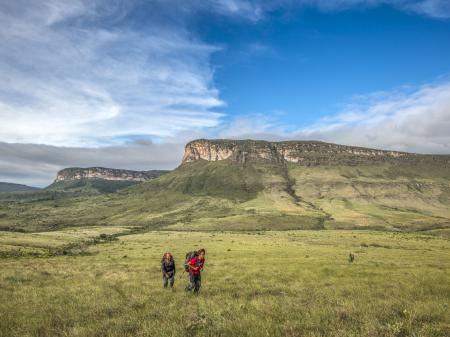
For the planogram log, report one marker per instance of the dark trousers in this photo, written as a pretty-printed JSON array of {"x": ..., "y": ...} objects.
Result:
[
  {"x": 195, "y": 282},
  {"x": 166, "y": 279}
]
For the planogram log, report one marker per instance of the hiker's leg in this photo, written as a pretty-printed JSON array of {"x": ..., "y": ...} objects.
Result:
[
  {"x": 165, "y": 280},
  {"x": 190, "y": 286},
  {"x": 198, "y": 283},
  {"x": 172, "y": 280}
]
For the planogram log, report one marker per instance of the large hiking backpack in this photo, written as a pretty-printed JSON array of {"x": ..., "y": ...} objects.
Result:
[{"x": 189, "y": 256}]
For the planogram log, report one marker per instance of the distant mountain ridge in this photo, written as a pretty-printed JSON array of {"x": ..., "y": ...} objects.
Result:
[
  {"x": 11, "y": 187},
  {"x": 78, "y": 173},
  {"x": 307, "y": 153},
  {"x": 251, "y": 185}
]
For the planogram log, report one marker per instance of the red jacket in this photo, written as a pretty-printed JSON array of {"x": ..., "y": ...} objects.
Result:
[{"x": 197, "y": 265}]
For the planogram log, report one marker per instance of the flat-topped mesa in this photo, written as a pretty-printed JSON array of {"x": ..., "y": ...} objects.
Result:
[
  {"x": 77, "y": 173},
  {"x": 306, "y": 153}
]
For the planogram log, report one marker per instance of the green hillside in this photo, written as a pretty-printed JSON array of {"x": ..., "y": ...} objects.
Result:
[
  {"x": 227, "y": 195},
  {"x": 10, "y": 187},
  {"x": 90, "y": 186},
  {"x": 66, "y": 190}
]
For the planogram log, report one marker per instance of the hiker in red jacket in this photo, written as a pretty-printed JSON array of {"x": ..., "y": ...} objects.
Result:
[{"x": 195, "y": 266}]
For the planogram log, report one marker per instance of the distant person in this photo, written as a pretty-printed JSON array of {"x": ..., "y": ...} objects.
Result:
[
  {"x": 194, "y": 266},
  {"x": 168, "y": 269}
]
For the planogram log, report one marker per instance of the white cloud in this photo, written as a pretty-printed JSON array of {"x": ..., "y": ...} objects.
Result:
[
  {"x": 256, "y": 10},
  {"x": 414, "y": 119},
  {"x": 433, "y": 8},
  {"x": 255, "y": 126},
  {"x": 69, "y": 81},
  {"x": 410, "y": 119},
  {"x": 251, "y": 9}
]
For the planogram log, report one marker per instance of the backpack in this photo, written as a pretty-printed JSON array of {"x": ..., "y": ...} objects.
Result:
[{"x": 189, "y": 256}]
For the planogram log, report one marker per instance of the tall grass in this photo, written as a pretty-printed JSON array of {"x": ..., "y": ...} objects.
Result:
[{"x": 292, "y": 283}]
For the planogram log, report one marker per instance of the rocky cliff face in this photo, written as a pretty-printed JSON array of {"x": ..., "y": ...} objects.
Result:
[
  {"x": 306, "y": 153},
  {"x": 76, "y": 173}
]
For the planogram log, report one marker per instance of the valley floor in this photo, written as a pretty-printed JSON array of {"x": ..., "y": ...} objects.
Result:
[{"x": 293, "y": 283}]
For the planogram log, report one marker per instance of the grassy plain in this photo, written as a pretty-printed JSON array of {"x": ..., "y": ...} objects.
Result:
[
  {"x": 68, "y": 241},
  {"x": 289, "y": 283}
]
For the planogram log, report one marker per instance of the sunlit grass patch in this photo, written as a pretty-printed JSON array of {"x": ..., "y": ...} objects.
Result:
[
  {"x": 291, "y": 283},
  {"x": 45, "y": 243}
]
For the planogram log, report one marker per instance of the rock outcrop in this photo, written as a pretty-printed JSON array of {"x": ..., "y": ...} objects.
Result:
[
  {"x": 77, "y": 173},
  {"x": 306, "y": 153}
]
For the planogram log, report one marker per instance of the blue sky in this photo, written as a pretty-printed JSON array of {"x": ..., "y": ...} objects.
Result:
[
  {"x": 126, "y": 83},
  {"x": 307, "y": 64}
]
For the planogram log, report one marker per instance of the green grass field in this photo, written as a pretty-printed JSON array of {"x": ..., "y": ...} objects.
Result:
[
  {"x": 290, "y": 283},
  {"x": 65, "y": 242},
  {"x": 83, "y": 259}
]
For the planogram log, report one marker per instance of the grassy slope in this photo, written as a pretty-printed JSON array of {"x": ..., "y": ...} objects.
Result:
[
  {"x": 64, "y": 242},
  {"x": 90, "y": 186},
  {"x": 163, "y": 200},
  {"x": 10, "y": 187},
  {"x": 254, "y": 284},
  {"x": 383, "y": 196},
  {"x": 54, "y": 207},
  {"x": 225, "y": 195},
  {"x": 386, "y": 196},
  {"x": 68, "y": 189}
]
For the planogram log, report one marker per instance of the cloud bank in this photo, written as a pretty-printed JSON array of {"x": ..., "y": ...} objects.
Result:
[
  {"x": 37, "y": 165},
  {"x": 414, "y": 119}
]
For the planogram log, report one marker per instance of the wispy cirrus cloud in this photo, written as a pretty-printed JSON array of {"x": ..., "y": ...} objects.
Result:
[
  {"x": 69, "y": 79},
  {"x": 432, "y": 8},
  {"x": 256, "y": 10}
]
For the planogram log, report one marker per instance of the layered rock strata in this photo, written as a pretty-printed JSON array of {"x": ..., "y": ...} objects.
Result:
[{"x": 306, "y": 153}]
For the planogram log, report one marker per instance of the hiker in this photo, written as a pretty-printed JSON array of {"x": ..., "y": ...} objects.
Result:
[
  {"x": 194, "y": 266},
  {"x": 168, "y": 269}
]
